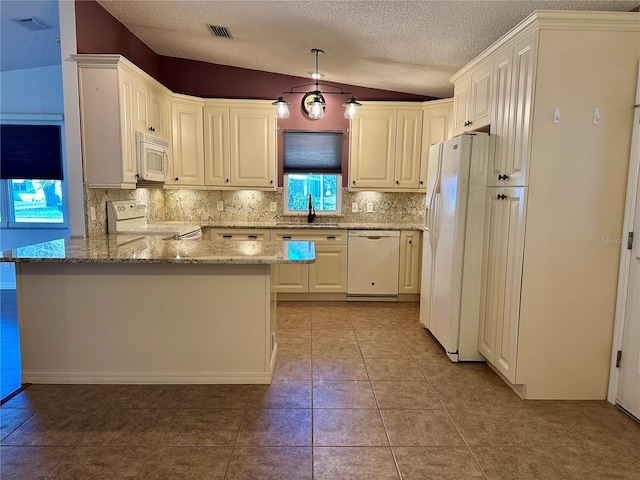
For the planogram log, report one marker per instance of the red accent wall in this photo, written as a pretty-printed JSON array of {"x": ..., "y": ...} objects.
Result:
[{"x": 99, "y": 32}]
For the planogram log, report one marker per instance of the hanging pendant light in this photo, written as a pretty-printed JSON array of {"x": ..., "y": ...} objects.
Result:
[
  {"x": 313, "y": 103},
  {"x": 351, "y": 108},
  {"x": 282, "y": 108}
]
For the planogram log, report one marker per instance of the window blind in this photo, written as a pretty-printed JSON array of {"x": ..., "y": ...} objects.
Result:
[
  {"x": 30, "y": 152},
  {"x": 312, "y": 152}
]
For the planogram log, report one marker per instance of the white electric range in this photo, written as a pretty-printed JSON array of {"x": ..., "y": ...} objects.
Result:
[{"x": 129, "y": 217}]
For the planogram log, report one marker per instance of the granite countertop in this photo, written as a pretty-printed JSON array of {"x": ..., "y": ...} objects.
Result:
[
  {"x": 315, "y": 226},
  {"x": 153, "y": 249}
]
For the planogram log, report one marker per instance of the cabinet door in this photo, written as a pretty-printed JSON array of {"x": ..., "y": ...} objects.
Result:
[
  {"x": 502, "y": 275},
  {"x": 290, "y": 278},
  {"x": 216, "y": 146},
  {"x": 409, "y": 277},
  {"x": 253, "y": 147},
  {"x": 408, "y": 146},
  {"x": 461, "y": 104},
  {"x": 501, "y": 123},
  {"x": 329, "y": 272},
  {"x": 126, "y": 95},
  {"x": 522, "y": 91},
  {"x": 437, "y": 126},
  {"x": 373, "y": 148},
  {"x": 480, "y": 110},
  {"x": 141, "y": 119},
  {"x": 188, "y": 150},
  {"x": 157, "y": 122}
]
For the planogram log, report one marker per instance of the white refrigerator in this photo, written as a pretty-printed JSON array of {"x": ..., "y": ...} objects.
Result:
[{"x": 453, "y": 240}]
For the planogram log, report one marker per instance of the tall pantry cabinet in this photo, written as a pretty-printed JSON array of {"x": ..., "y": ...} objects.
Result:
[{"x": 563, "y": 86}]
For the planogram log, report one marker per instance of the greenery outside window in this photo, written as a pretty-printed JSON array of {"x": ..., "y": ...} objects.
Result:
[{"x": 323, "y": 188}]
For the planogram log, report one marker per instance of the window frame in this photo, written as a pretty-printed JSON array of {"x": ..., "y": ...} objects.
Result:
[
  {"x": 7, "y": 206},
  {"x": 319, "y": 213}
]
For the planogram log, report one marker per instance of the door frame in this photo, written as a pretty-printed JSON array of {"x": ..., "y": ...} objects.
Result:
[{"x": 633, "y": 190}]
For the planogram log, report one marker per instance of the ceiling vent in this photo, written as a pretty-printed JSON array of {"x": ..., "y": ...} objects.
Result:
[
  {"x": 31, "y": 23},
  {"x": 220, "y": 31}
]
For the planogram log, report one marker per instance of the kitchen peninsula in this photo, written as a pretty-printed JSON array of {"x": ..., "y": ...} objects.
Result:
[{"x": 140, "y": 309}]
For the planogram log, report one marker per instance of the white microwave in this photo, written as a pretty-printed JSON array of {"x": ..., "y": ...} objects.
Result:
[{"x": 153, "y": 157}]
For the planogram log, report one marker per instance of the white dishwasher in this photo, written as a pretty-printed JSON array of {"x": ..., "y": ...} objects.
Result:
[{"x": 373, "y": 261}]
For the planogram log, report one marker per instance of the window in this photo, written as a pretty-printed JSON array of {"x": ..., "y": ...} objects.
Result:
[
  {"x": 31, "y": 187},
  {"x": 312, "y": 171}
]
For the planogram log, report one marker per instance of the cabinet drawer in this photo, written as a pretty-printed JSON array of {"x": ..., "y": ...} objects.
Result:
[
  {"x": 239, "y": 234},
  {"x": 320, "y": 237}
]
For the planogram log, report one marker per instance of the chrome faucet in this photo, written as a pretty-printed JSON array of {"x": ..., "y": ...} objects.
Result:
[{"x": 312, "y": 210}]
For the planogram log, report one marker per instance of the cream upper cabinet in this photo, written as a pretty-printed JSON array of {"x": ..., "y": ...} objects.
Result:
[
  {"x": 386, "y": 143},
  {"x": 514, "y": 90},
  {"x": 187, "y": 157},
  {"x": 329, "y": 272},
  {"x": 107, "y": 93},
  {"x": 410, "y": 262},
  {"x": 240, "y": 145},
  {"x": 252, "y": 136},
  {"x": 216, "y": 146},
  {"x": 373, "y": 148},
  {"x": 502, "y": 275},
  {"x": 472, "y": 100},
  {"x": 437, "y": 126},
  {"x": 149, "y": 108}
]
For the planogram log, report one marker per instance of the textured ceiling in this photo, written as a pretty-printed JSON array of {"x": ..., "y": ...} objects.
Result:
[
  {"x": 411, "y": 47},
  {"x": 22, "y": 48}
]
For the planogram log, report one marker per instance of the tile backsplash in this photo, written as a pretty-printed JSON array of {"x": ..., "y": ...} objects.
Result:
[{"x": 200, "y": 207}]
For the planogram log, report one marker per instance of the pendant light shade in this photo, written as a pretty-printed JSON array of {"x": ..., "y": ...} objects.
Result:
[
  {"x": 315, "y": 108},
  {"x": 282, "y": 107},
  {"x": 351, "y": 108}
]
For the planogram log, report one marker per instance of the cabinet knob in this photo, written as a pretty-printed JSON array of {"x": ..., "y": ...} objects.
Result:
[
  {"x": 397, "y": 182},
  {"x": 137, "y": 175},
  {"x": 271, "y": 182},
  {"x": 503, "y": 177},
  {"x": 410, "y": 242},
  {"x": 467, "y": 123},
  {"x": 501, "y": 196},
  {"x": 421, "y": 182},
  {"x": 354, "y": 182},
  {"x": 227, "y": 180},
  {"x": 176, "y": 179}
]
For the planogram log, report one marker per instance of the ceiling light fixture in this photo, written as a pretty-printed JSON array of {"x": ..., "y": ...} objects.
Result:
[{"x": 313, "y": 102}]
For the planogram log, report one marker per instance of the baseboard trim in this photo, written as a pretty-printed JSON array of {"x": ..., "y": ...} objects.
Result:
[{"x": 149, "y": 378}]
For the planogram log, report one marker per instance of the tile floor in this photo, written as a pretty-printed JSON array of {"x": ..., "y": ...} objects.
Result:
[{"x": 360, "y": 391}]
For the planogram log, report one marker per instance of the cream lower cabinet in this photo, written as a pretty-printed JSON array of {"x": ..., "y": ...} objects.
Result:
[
  {"x": 329, "y": 272},
  {"x": 236, "y": 234},
  {"x": 410, "y": 262},
  {"x": 502, "y": 277}
]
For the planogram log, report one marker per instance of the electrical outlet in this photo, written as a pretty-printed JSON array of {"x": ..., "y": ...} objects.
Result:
[
  {"x": 354, "y": 207},
  {"x": 273, "y": 207},
  {"x": 92, "y": 213},
  {"x": 220, "y": 205},
  {"x": 369, "y": 207}
]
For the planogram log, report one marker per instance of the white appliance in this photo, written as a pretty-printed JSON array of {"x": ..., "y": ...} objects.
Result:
[
  {"x": 453, "y": 243},
  {"x": 153, "y": 157},
  {"x": 129, "y": 217},
  {"x": 373, "y": 265}
]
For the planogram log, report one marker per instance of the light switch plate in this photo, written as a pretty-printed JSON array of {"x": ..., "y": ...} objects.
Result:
[
  {"x": 273, "y": 207},
  {"x": 220, "y": 205},
  {"x": 369, "y": 207},
  {"x": 354, "y": 207}
]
